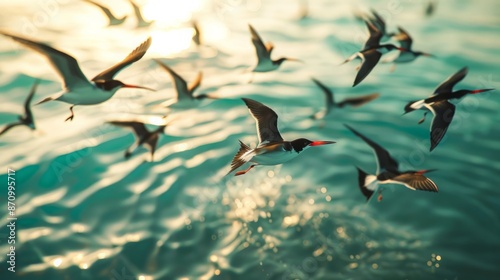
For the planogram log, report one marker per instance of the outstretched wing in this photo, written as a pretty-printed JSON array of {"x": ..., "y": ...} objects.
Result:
[
  {"x": 415, "y": 181},
  {"x": 404, "y": 39},
  {"x": 447, "y": 86},
  {"x": 358, "y": 100},
  {"x": 384, "y": 160},
  {"x": 65, "y": 65},
  {"x": 134, "y": 56},
  {"x": 263, "y": 51},
  {"x": 138, "y": 127},
  {"x": 266, "y": 121}
]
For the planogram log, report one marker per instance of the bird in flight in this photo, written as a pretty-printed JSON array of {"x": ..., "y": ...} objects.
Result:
[
  {"x": 272, "y": 149},
  {"x": 27, "y": 118}
]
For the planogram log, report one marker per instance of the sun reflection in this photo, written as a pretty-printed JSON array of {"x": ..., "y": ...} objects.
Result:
[
  {"x": 170, "y": 12},
  {"x": 167, "y": 43}
]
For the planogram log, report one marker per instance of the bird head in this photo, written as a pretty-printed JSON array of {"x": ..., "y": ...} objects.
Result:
[
  {"x": 114, "y": 85},
  {"x": 301, "y": 144}
]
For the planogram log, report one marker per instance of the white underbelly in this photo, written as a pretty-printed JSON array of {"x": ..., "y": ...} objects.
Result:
[
  {"x": 89, "y": 96},
  {"x": 265, "y": 67}
]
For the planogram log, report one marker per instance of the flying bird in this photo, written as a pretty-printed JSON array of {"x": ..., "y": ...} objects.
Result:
[
  {"x": 272, "y": 149},
  {"x": 184, "y": 92},
  {"x": 76, "y": 88},
  {"x": 330, "y": 101},
  {"x": 389, "y": 173},
  {"x": 197, "y": 33},
  {"x": 143, "y": 137},
  {"x": 371, "y": 53},
  {"x": 27, "y": 118},
  {"x": 141, "y": 22},
  {"x": 440, "y": 106},
  {"x": 405, "y": 42},
  {"x": 112, "y": 19},
  {"x": 263, "y": 51},
  {"x": 379, "y": 23}
]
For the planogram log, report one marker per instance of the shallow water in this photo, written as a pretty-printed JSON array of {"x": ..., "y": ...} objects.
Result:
[{"x": 84, "y": 212}]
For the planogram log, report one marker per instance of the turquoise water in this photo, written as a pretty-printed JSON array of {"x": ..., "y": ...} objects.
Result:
[{"x": 84, "y": 212}]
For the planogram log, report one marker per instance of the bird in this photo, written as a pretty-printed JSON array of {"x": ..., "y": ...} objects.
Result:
[
  {"x": 142, "y": 135},
  {"x": 330, "y": 102},
  {"x": 430, "y": 8},
  {"x": 76, "y": 88},
  {"x": 184, "y": 92},
  {"x": 112, "y": 19},
  {"x": 263, "y": 51},
  {"x": 405, "y": 42},
  {"x": 440, "y": 106},
  {"x": 389, "y": 173},
  {"x": 371, "y": 53},
  {"x": 272, "y": 149},
  {"x": 26, "y": 119},
  {"x": 141, "y": 22}
]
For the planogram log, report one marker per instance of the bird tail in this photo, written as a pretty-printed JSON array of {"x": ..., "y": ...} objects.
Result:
[
  {"x": 47, "y": 99},
  {"x": 365, "y": 180},
  {"x": 241, "y": 157}
]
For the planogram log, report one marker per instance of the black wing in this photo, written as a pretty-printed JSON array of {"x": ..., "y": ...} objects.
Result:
[
  {"x": 27, "y": 109},
  {"x": 138, "y": 127},
  {"x": 447, "y": 86},
  {"x": 375, "y": 36},
  {"x": 404, "y": 39},
  {"x": 369, "y": 58},
  {"x": 443, "y": 114},
  {"x": 263, "y": 51},
  {"x": 134, "y": 56},
  {"x": 266, "y": 121},
  {"x": 9, "y": 126},
  {"x": 328, "y": 93},
  {"x": 358, "y": 100},
  {"x": 384, "y": 159}
]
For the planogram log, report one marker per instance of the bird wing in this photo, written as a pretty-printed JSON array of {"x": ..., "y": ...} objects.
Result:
[
  {"x": 260, "y": 48},
  {"x": 196, "y": 83},
  {"x": 443, "y": 112},
  {"x": 197, "y": 34},
  {"x": 105, "y": 10},
  {"x": 138, "y": 127},
  {"x": 329, "y": 100},
  {"x": 137, "y": 11},
  {"x": 266, "y": 121},
  {"x": 447, "y": 86},
  {"x": 404, "y": 39},
  {"x": 9, "y": 126},
  {"x": 375, "y": 36},
  {"x": 384, "y": 160},
  {"x": 358, "y": 100},
  {"x": 369, "y": 60},
  {"x": 134, "y": 56},
  {"x": 415, "y": 181},
  {"x": 27, "y": 109},
  {"x": 180, "y": 84},
  {"x": 65, "y": 65},
  {"x": 378, "y": 21}
]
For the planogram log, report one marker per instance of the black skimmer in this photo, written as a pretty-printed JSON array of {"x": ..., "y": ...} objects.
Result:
[
  {"x": 263, "y": 51},
  {"x": 197, "y": 34},
  {"x": 272, "y": 149},
  {"x": 405, "y": 41},
  {"x": 142, "y": 135},
  {"x": 184, "y": 92},
  {"x": 388, "y": 173},
  {"x": 330, "y": 101},
  {"x": 379, "y": 23},
  {"x": 112, "y": 19},
  {"x": 76, "y": 88},
  {"x": 371, "y": 53},
  {"x": 141, "y": 22},
  {"x": 439, "y": 105},
  {"x": 26, "y": 119}
]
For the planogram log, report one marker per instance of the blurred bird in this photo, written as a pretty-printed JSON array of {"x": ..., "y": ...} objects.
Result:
[
  {"x": 330, "y": 103},
  {"x": 379, "y": 23},
  {"x": 26, "y": 119},
  {"x": 388, "y": 173},
  {"x": 184, "y": 92},
  {"x": 430, "y": 8},
  {"x": 371, "y": 53},
  {"x": 76, "y": 88},
  {"x": 112, "y": 19},
  {"x": 141, "y": 22},
  {"x": 142, "y": 135},
  {"x": 197, "y": 34},
  {"x": 272, "y": 149},
  {"x": 440, "y": 106},
  {"x": 264, "y": 61},
  {"x": 409, "y": 55}
]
